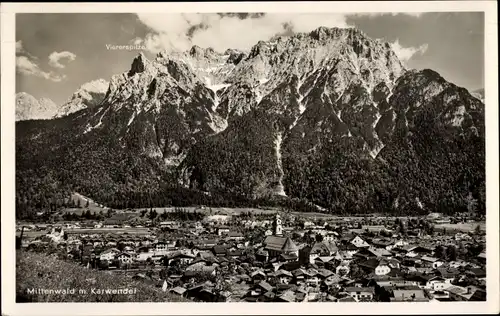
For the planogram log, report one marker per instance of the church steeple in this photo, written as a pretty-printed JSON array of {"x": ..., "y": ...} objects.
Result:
[{"x": 277, "y": 226}]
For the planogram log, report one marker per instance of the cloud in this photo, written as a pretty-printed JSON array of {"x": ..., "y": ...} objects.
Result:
[
  {"x": 406, "y": 53},
  {"x": 55, "y": 57},
  {"x": 233, "y": 30},
  {"x": 19, "y": 47},
  {"x": 377, "y": 14},
  {"x": 21, "y": 51},
  {"x": 222, "y": 31},
  {"x": 26, "y": 66}
]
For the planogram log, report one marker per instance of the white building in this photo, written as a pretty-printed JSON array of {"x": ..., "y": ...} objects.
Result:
[
  {"x": 382, "y": 268},
  {"x": 359, "y": 242},
  {"x": 109, "y": 254}
]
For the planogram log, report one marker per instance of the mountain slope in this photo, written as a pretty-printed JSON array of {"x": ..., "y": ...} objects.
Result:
[
  {"x": 89, "y": 95},
  {"x": 331, "y": 117},
  {"x": 29, "y": 108}
]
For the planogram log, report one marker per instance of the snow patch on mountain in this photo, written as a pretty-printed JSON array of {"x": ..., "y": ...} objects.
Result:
[
  {"x": 280, "y": 190},
  {"x": 458, "y": 116},
  {"x": 99, "y": 123}
]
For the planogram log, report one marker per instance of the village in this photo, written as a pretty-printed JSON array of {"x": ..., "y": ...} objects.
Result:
[{"x": 278, "y": 257}]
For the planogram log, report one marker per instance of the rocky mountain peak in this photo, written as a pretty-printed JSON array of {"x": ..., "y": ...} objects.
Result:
[
  {"x": 197, "y": 51},
  {"x": 89, "y": 95},
  {"x": 30, "y": 108},
  {"x": 139, "y": 64}
]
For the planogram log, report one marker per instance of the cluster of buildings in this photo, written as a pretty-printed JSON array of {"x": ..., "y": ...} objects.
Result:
[{"x": 219, "y": 262}]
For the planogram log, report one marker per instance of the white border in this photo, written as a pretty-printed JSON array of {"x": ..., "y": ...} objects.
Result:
[{"x": 9, "y": 307}]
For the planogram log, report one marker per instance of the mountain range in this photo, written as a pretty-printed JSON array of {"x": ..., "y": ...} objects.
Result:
[
  {"x": 88, "y": 95},
  {"x": 330, "y": 118}
]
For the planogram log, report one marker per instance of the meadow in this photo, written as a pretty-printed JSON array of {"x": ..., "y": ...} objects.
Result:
[{"x": 38, "y": 271}]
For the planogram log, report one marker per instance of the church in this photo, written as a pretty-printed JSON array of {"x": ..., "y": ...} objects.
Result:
[{"x": 277, "y": 245}]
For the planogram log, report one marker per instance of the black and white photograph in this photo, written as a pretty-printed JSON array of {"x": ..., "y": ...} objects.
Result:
[{"x": 251, "y": 157}]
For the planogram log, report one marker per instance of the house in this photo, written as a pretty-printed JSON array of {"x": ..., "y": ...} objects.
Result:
[
  {"x": 220, "y": 250},
  {"x": 333, "y": 281},
  {"x": 359, "y": 242},
  {"x": 222, "y": 230},
  {"x": 408, "y": 293},
  {"x": 390, "y": 281},
  {"x": 361, "y": 293},
  {"x": 258, "y": 276},
  {"x": 161, "y": 246},
  {"x": 260, "y": 289},
  {"x": 431, "y": 262},
  {"x": 202, "y": 265},
  {"x": 287, "y": 296},
  {"x": 299, "y": 275},
  {"x": 235, "y": 253},
  {"x": 182, "y": 258},
  {"x": 342, "y": 269},
  {"x": 109, "y": 255},
  {"x": 283, "y": 276},
  {"x": 262, "y": 255},
  {"x": 478, "y": 273},
  {"x": 382, "y": 268},
  {"x": 144, "y": 256},
  {"x": 447, "y": 273},
  {"x": 436, "y": 283},
  {"x": 419, "y": 251},
  {"x": 398, "y": 246},
  {"x": 178, "y": 290},
  {"x": 373, "y": 228},
  {"x": 276, "y": 245},
  {"x": 290, "y": 258},
  {"x": 382, "y": 243},
  {"x": 206, "y": 243},
  {"x": 368, "y": 253},
  {"x": 470, "y": 293},
  {"x": 311, "y": 277},
  {"x": 232, "y": 235},
  {"x": 433, "y": 216},
  {"x": 324, "y": 273},
  {"x": 347, "y": 298},
  {"x": 124, "y": 257},
  {"x": 482, "y": 257},
  {"x": 324, "y": 248},
  {"x": 377, "y": 266}
]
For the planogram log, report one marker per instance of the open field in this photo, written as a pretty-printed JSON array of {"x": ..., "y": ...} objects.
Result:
[
  {"x": 462, "y": 227},
  {"x": 259, "y": 211},
  {"x": 129, "y": 230},
  {"x": 32, "y": 234},
  {"x": 37, "y": 271},
  {"x": 93, "y": 207}
]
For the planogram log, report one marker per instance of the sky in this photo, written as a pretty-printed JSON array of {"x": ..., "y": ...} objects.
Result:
[{"x": 57, "y": 53}]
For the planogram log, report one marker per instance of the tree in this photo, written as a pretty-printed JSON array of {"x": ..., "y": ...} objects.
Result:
[
  {"x": 451, "y": 253},
  {"x": 474, "y": 250},
  {"x": 440, "y": 252},
  {"x": 103, "y": 264},
  {"x": 152, "y": 214},
  {"x": 120, "y": 246},
  {"x": 402, "y": 228},
  {"x": 319, "y": 238},
  {"x": 477, "y": 230}
]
